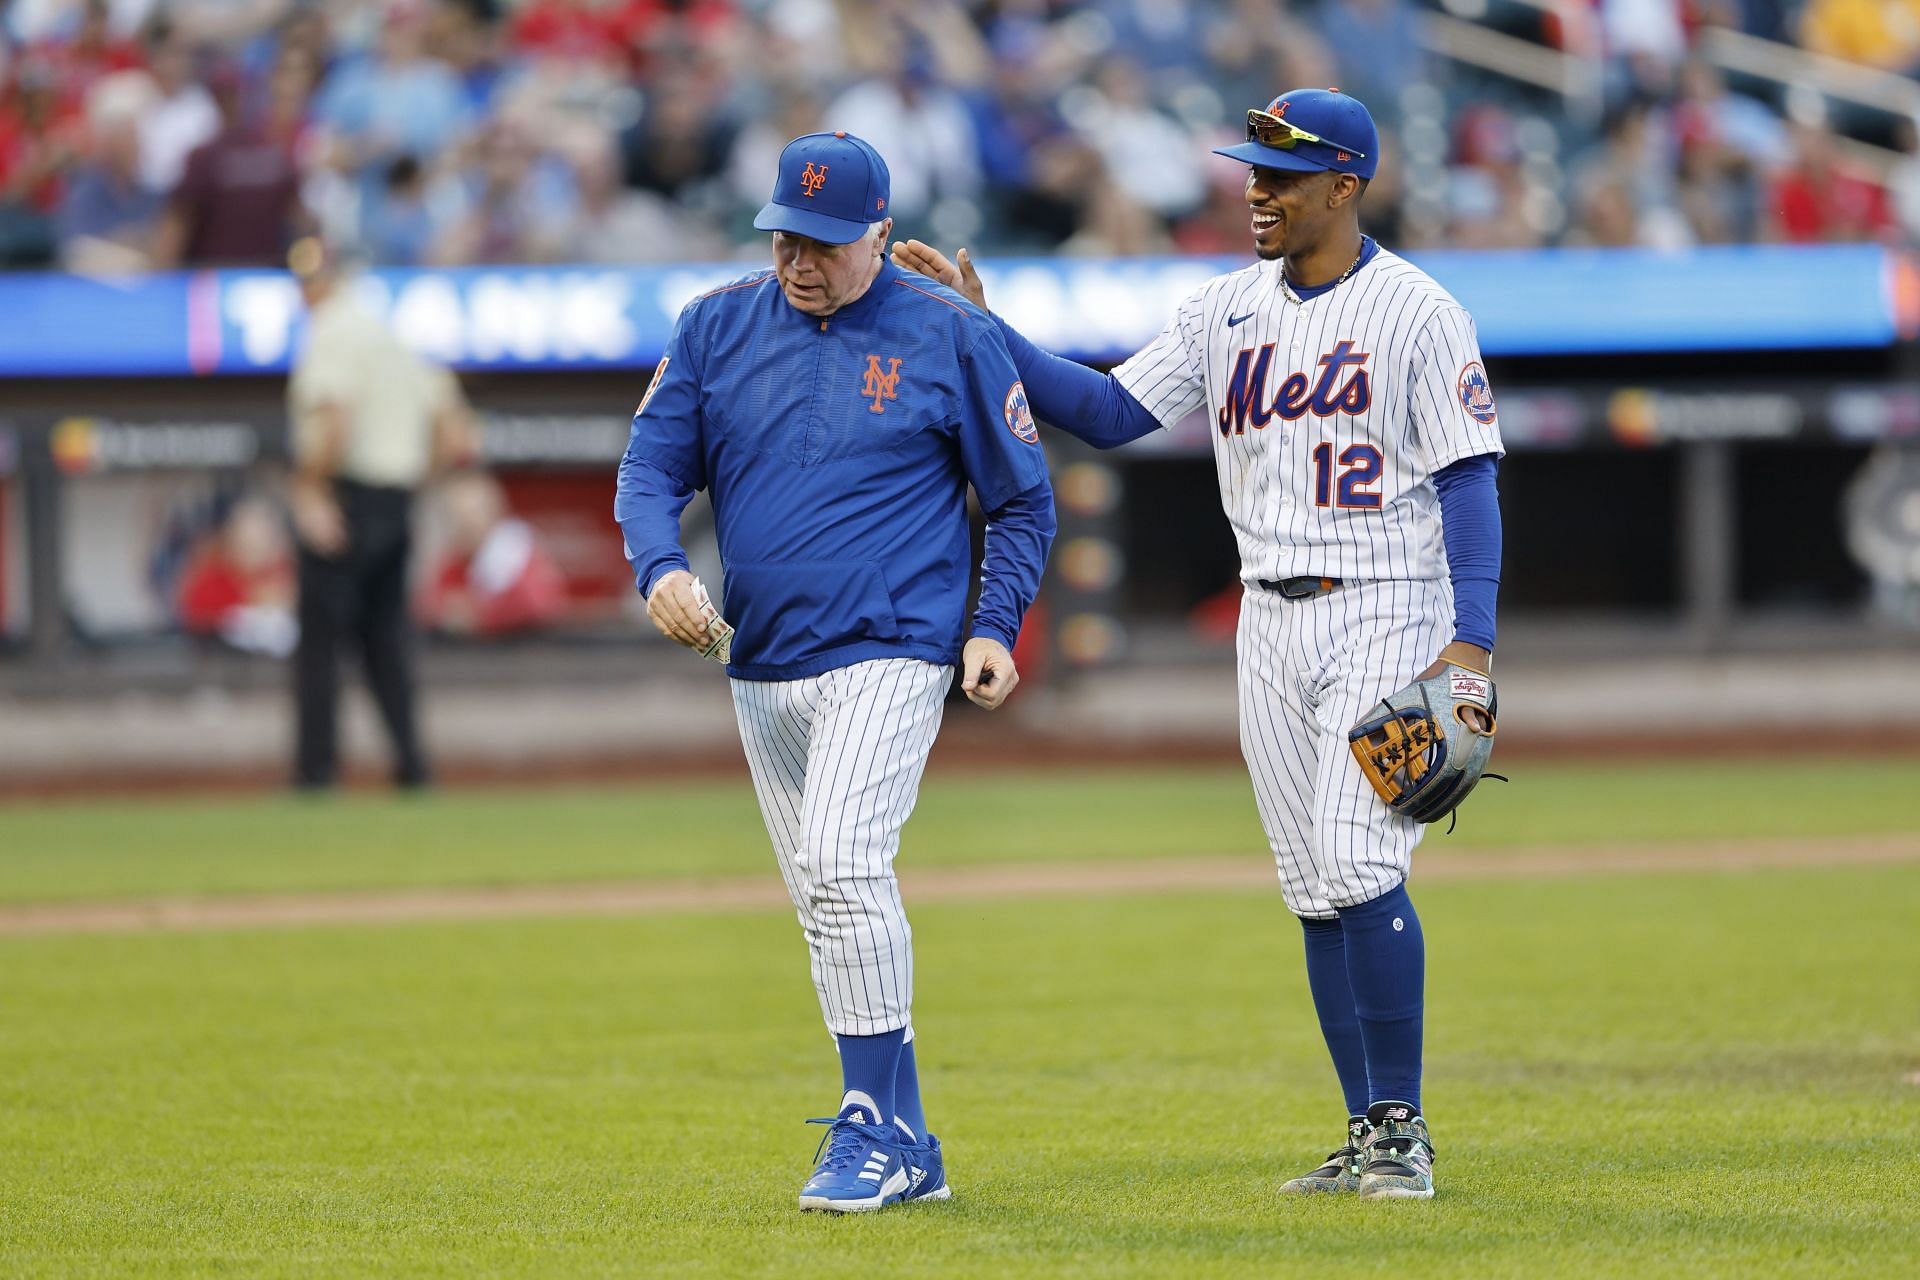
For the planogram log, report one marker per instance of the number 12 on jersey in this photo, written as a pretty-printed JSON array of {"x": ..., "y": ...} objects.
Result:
[{"x": 1360, "y": 465}]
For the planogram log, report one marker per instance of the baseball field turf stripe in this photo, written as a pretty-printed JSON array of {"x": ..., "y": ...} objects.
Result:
[{"x": 1211, "y": 873}]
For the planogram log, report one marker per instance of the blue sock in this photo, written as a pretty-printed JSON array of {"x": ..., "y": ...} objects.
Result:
[
  {"x": 1333, "y": 1001},
  {"x": 868, "y": 1065},
  {"x": 906, "y": 1094},
  {"x": 1387, "y": 965}
]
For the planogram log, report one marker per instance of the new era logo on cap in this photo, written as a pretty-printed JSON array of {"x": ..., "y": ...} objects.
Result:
[{"x": 830, "y": 187}]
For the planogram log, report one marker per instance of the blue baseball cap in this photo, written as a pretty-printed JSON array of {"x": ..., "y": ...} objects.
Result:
[
  {"x": 1339, "y": 134},
  {"x": 831, "y": 187}
]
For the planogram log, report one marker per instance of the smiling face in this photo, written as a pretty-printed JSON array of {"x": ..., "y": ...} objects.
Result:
[
  {"x": 1293, "y": 211},
  {"x": 820, "y": 278}
]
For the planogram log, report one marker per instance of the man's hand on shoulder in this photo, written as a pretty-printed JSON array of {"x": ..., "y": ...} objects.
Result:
[
  {"x": 917, "y": 255},
  {"x": 987, "y": 673}
]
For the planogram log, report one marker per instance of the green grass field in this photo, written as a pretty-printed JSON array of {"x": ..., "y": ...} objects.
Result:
[
  {"x": 273, "y": 844},
  {"x": 1668, "y": 1074}
]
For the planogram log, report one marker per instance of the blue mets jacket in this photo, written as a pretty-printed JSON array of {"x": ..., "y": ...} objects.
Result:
[{"x": 837, "y": 453}]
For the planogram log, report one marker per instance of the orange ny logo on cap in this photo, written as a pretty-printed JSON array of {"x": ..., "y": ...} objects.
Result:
[{"x": 813, "y": 178}]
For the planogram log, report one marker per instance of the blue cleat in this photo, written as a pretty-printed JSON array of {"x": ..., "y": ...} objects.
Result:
[
  {"x": 862, "y": 1167},
  {"x": 926, "y": 1171}
]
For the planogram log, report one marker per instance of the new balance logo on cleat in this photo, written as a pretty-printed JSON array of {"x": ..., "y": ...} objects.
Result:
[{"x": 1397, "y": 1158}]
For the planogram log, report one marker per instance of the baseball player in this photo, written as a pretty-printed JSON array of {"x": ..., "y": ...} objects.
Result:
[
  {"x": 836, "y": 408},
  {"x": 1356, "y": 441}
]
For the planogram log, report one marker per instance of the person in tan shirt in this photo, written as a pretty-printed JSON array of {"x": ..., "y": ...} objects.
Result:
[{"x": 371, "y": 422}]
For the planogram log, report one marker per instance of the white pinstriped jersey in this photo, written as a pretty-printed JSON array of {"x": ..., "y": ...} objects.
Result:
[{"x": 1330, "y": 416}]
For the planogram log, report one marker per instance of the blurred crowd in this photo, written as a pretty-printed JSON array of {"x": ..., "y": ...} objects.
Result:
[
  {"x": 224, "y": 564},
  {"x": 139, "y": 134}
]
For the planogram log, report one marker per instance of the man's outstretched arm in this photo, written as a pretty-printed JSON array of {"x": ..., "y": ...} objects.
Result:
[{"x": 1091, "y": 406}]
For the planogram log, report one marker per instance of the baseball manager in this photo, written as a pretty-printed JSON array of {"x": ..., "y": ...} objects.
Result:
[{"x": 836, "y": 409}]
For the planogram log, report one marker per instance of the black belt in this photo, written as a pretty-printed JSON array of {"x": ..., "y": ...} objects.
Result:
[{"x": 1300, "y": 588}]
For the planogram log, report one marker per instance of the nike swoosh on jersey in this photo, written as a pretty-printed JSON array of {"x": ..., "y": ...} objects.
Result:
[{"x": 1234, "y": 320}]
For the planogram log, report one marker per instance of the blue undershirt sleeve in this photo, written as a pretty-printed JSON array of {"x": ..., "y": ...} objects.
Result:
[
  {"x": 1470, "y": 526},
  {"x": 1091, "y": 406}
]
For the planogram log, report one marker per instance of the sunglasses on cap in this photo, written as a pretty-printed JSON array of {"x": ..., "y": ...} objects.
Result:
[{"x": 1269, "y": 130}]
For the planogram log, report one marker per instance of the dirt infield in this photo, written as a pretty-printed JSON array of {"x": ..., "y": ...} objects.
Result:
[{"x": 1074, "y": 879}]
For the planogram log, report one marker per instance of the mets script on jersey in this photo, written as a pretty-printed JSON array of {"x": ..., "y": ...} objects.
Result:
[{"x": 1331, "y": 417}]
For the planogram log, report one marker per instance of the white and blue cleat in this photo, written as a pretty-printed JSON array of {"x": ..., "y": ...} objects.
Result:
[
  {"x": 926, "y": 1172},
  {"x": 862, "y": 1166}
]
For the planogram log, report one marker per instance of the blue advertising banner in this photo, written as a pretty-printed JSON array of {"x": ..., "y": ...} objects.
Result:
[{"x": 555, "y": 319}]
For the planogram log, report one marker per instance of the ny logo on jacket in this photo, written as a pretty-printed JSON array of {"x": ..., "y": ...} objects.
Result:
[{"x": 880, "y": 386}]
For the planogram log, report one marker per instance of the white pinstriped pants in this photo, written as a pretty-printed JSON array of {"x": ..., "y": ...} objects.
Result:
[
  {"x": 836, "y": 762},
  {"x": 1308, "y": 670}
]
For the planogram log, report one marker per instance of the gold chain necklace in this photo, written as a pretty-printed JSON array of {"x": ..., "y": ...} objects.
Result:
[{"x": 1297, "y": 300}]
